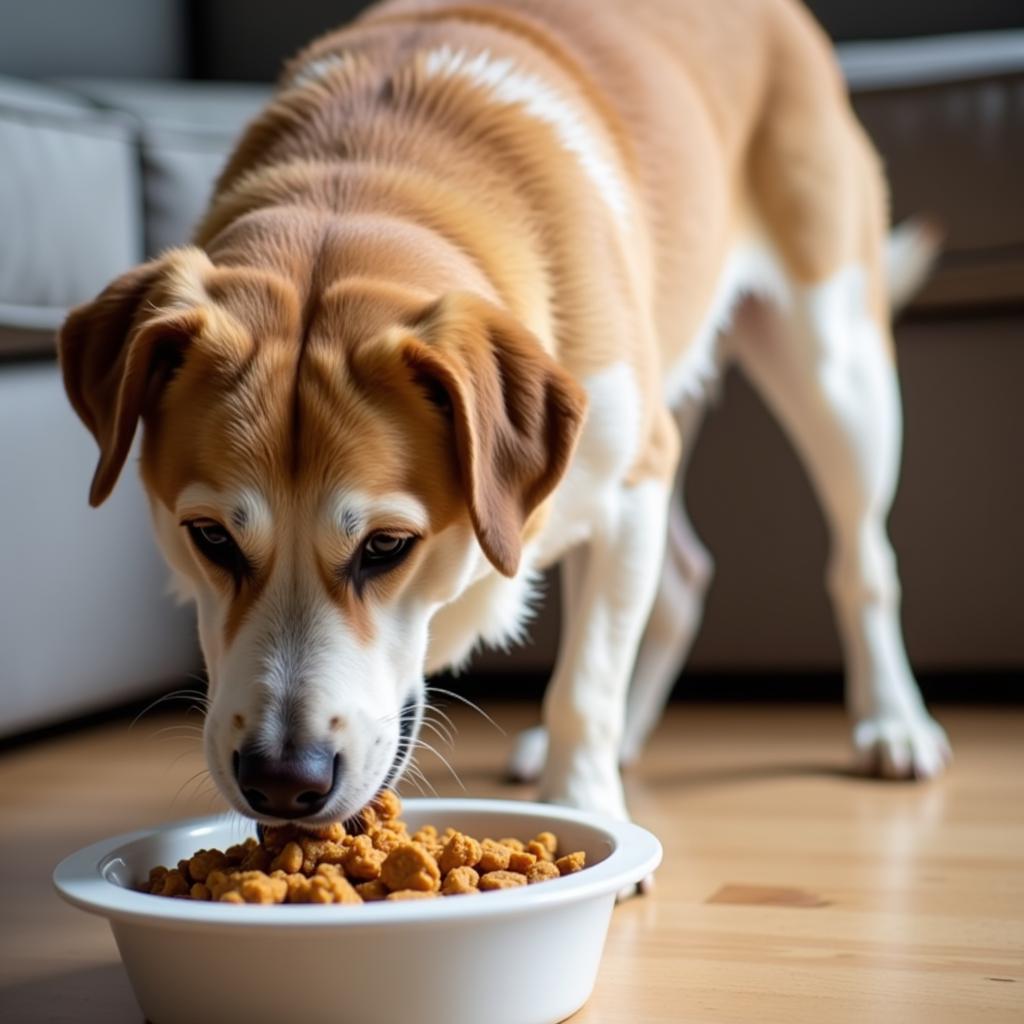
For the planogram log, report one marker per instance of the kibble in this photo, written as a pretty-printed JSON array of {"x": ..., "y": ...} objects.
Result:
[{"x": 383, "y": 862}]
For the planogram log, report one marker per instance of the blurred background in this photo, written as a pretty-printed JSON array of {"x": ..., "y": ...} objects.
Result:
[{"x": 115, "y": 116}]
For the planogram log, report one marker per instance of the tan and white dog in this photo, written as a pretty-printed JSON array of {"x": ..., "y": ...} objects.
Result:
[{"x": 449, "y": 321}]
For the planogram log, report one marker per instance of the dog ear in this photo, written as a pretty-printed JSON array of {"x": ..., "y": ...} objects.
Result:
[
  {"x": 515, "y": 414},
  {"x": 114, "y": 354}
]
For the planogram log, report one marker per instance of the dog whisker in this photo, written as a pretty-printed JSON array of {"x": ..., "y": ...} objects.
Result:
[
  {"x": 177, "y": 730},
  {"x": 183, "y": 754},
  {"x": 417, "y": 775},
  {"x": 422, "y": 744},
  {"x": 468, "y": 703},
  {"x": 185, "y": 694},
  {"x": 443, "y": 737},
  {"x": 191, "y": 779},
  {"x": 439, "y": 710}
]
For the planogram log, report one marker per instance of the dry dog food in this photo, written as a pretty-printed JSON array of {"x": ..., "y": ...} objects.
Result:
[{"x": 381, "y": 861}]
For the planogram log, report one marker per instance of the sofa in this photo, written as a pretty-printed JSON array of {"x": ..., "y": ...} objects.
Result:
[{"x": 115, "y": 116}]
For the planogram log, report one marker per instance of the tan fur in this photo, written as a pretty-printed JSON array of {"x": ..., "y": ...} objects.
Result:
[{"x": 295, "y": 342}]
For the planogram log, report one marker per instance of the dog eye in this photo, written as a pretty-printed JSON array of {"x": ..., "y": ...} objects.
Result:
[
  {"x": 382, "y": 548},
  {"x": 216, "y": 545},
  {"x": 213, "y": 534}
]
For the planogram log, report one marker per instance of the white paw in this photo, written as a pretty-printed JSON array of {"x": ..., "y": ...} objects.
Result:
[
  {"x": 528, "y": 755},
  {"x": 588, "y": 783},
  {"x": 910, "y": 747},
  {"x": 588, "y": 798}
]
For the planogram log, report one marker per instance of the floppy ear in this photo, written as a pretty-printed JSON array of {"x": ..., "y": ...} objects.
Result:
[
  {"x": 515, "y": 414},
  {"x": 114, "y": 351}
]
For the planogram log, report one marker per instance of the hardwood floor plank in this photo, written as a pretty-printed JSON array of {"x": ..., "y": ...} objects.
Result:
[{"x": 791, "y": 890}]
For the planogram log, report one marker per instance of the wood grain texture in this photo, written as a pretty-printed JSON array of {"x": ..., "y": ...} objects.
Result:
[{"x": 791, "y": 891}]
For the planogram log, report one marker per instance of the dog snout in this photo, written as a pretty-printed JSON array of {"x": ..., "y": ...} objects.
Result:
[{"x": 297, "y": 784}]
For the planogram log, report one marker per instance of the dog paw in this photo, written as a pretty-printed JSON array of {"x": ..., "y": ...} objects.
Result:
[
  {"x": 901, "y": 748},
  {"x": 589, "y": 787},
  {"x": 528, "y": 755}
]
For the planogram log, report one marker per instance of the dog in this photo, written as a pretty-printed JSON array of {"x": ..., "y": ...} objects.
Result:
[{"x": 451, "y": 319}]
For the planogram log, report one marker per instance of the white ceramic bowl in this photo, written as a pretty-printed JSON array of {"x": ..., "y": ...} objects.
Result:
[{"x": 518, "y": 956}]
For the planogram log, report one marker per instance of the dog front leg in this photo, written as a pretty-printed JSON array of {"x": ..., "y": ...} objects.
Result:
[{"x": 615, "y": 578}]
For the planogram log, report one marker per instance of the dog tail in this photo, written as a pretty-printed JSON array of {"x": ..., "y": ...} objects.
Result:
[{"x": 912, "y": 248}]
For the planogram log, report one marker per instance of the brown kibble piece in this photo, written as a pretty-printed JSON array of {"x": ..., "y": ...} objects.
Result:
[
  {"x": 461, "y": 880},
  {"x": 371, "y": 891},
  {"x": 459, "y": 851},
  {"x": 217, "y": 882},
  {"x": 542, "y": 871},
  {"x": 257, "y": 859},
  {"x": 362, "y": 861},
  {"x": 173, "y": 883},
  {"x": 501, "y": 880},
  {"x": 234, "y": 855},
  {"x": 521, "y": 861},
  {"x": 571, "y": 862},
  {"x": 345, "y": 891},
  {"x": 426, "y": 836},
  {"x": 312, "y": 850},
  {"x": 539, "y": 851},
  {"x": 410, "y": 866},
  {"x": 276, "y": 837},
  {"x": 335, "y": 852},
  {"x": 320, "y": 890},
  {"x": 331, "y": 881},
  {"x": 333, "y": 833},
  {"x": 289, "y": 859},
  {"x": 548, "y": 841},
  {"x": 154, "y": 882},
  {"x": 205, "y": 861},
  {"x": 387, "y": 805},
  {"x": 368, "y": 818},
  {"x": 493, "y": 857},
  {"x": 257, "y": 887},
  {"x": 383, "y": 861},
  {"x": 298, "y": 888},
  {"x": 386, "y": 839}
]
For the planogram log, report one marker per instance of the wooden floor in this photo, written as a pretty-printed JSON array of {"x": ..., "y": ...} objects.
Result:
[{"x": 790, "y": 891}]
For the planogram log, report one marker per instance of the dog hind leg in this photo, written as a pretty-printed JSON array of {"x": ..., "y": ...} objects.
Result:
[{"x": 828, "y": 376}]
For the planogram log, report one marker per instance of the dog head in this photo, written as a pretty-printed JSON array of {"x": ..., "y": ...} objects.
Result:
[{"x": 325, "y": 471}]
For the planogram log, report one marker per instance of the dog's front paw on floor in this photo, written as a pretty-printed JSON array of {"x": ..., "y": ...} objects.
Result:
[
  {"x": 891, "y": 747},
  {"x": 595, "y": 792},
  {"x": 529, "y": 754}
]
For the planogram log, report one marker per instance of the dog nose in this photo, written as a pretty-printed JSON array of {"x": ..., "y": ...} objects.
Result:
[{"x": 297, "y": 784}]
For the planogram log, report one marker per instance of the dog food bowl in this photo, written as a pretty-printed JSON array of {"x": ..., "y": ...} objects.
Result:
[{"x": 516, "y": 956}]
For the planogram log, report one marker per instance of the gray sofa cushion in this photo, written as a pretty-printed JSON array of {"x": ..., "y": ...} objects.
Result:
[
  {"x": 84, "y": 616},
  {"x": 186, "y": 131},
  {"x": 69, "y": 201}
]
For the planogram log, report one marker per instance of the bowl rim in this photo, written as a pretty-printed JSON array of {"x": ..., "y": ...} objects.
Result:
[{"x": 79, "y": 879}]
